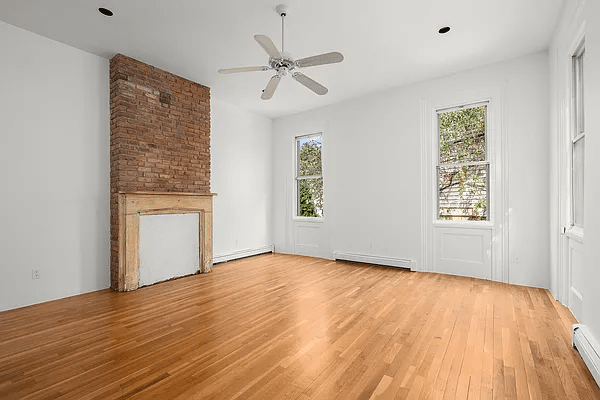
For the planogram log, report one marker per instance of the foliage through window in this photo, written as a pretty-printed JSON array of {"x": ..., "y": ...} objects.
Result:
[
  {"x": 463, "y": 167},
  {"x": 309, "y": 176}
]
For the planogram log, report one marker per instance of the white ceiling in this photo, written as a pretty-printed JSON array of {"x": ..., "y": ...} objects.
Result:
[{"x": 385, "y": 43}]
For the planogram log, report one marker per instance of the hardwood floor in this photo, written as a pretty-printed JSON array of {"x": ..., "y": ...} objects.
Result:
[{"x": 291, "y": 327}]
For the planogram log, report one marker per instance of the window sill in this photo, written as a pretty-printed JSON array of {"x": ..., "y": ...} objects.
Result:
[
  {"x": 315, "y": 220},
  {"x": 464, "y": 224}
]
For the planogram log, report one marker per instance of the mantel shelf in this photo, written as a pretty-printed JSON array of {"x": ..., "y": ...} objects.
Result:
[{"x": 169, "y": 193}]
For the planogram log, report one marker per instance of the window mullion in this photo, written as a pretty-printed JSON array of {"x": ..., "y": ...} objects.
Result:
[
  {"x": 465, "y": 164},
  {"x": 309, "y": 177}
]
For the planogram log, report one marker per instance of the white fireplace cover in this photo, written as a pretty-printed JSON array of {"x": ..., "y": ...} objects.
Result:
[{"x": 169, "y": 246}]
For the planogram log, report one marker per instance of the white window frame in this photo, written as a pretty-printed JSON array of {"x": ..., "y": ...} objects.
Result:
[
  {"x": 297, "y": 178},
  {"x": 576, "y": 131},
  {"x": 489, "y": 221}
]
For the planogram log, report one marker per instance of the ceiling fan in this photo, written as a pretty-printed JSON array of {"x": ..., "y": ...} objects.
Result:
[{"x": 282, "y": 63}]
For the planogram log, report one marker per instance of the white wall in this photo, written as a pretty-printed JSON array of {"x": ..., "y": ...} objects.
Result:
[
  {"x": 54, "y": 158},
  {"x": 54, "y": 148},
  {"x": 372, "y": 168},
  {"x": 241, "y": 144}
]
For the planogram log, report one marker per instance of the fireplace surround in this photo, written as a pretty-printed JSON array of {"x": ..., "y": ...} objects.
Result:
[{"x": 134, "y": 204}]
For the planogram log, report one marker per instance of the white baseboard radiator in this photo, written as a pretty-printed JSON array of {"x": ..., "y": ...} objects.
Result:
[
  {"x": 587, "y": 346},
  {"x": 377, "y": 260},
  {"x": 234, "y": 255}
]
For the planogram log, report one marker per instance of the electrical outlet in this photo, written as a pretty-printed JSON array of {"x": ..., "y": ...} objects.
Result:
[{"x": 35, "y": 274}]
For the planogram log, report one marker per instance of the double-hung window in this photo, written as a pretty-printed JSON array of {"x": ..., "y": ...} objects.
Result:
[
  {"x": 463, "y": 166},
  {"x": 577, "y": 140},
  {"x": 309, "y": 176}
]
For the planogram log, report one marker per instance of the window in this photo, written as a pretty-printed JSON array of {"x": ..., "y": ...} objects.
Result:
[
  {"x": 463, "y": 167},
  {"x": 309, "y": 176},
  {"x": 577, "y": 141}
]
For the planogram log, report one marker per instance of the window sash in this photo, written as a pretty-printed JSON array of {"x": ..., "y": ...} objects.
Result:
[
  {"x": 486, "y": 164},
  {"x": 577, "y": 183},
  {"x": 578, "y": 93},
  {"x": 577, "y": 188},
  {"x": 460, "y": 108},
  {"x": 298, "y": 140}
]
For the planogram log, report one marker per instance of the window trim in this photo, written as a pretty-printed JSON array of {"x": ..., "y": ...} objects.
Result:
[
  {"x": 296, "y": 199},
  {"x": 488, "y": 223},
  {"x": 576, "y": 131}
]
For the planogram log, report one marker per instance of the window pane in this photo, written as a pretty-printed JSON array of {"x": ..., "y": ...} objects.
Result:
[
  {"x": 579, "y": 95},
  {"x": 462, "y": 193},
  {"x": 309, "y": 156},
  {"x": 310, "y": 197},
  {"x": 462, "y": 135},
  {"x": 578, "y": 189}
]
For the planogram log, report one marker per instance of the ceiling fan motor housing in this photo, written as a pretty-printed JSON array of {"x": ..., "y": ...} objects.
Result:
[{"x": 283, "y": 64}]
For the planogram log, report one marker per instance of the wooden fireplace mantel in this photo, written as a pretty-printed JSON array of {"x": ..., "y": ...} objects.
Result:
[{"x": 133, "y": 204}]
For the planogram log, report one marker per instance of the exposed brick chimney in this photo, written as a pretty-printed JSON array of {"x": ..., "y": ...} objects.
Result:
[{"x": 159, "y": 136}]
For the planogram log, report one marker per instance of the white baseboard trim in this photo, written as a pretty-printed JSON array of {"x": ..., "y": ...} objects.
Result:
[
  {"x": 378, "y": 260},
  {"x": 587, "y": 346},
  {"x": 234, "y": 255}
]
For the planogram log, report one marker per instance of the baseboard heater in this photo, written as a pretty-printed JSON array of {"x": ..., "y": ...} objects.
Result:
[
  {"x": 234, "y": 255},
  {"x": 377, "y": 260},
  {"x": 587, "y": 346}
]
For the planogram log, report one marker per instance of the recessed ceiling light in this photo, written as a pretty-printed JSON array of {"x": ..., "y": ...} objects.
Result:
[
  {"x": 444, "y": 30},
  {"x": 105, "y": 11}
]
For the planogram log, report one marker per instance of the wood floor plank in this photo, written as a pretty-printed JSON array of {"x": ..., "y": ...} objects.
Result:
[{"x": 291, "y": 327}]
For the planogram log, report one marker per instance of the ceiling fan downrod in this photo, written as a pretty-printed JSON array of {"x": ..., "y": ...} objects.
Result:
[{"x": 282, "y": 11}]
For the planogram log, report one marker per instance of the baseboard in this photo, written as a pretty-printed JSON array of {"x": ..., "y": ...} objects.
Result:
[
  {"x": 234, "y": 255},
  {"x": 587, "y": 346},
  {"x": 378, "y": 260}
]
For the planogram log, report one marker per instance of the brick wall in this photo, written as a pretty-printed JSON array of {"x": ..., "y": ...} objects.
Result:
[{"x": 159, "y": 136}]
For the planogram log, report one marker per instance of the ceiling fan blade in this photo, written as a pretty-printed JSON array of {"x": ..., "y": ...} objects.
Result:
[
  {"x": 267, "y": 44},
  {"x": 309, "y": 83},
  {"x": 242, "y": 69},
  {"x": 321, "y": 59},
  {"x": 270, "y": 88}
]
